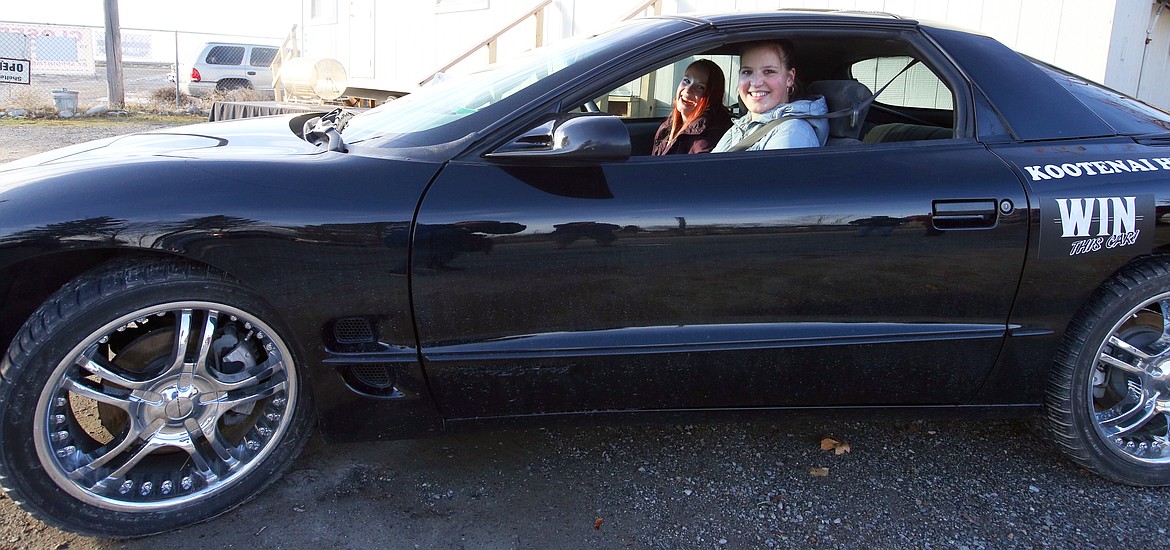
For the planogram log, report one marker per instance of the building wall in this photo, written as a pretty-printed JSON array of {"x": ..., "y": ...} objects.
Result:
[
  {"x": 1102, "y": 40},
  {"x": 1134, "y": 67}
]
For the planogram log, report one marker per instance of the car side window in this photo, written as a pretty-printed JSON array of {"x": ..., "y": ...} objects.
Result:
[
  {"x": 262, "y": 57},
  {"x": 918, "y": 87},
  {"x": 915, "y": 106},
  {"x": 225, "y": 55},
  {"x": 652, "y": 95}
]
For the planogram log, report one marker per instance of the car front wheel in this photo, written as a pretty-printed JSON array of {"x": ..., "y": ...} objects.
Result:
[
  {"x": 142, "y": 398},
  {"x": 1108, "y": 401}
]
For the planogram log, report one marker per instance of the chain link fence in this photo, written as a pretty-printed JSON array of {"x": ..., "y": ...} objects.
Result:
[{"x": 73, "y": 58}]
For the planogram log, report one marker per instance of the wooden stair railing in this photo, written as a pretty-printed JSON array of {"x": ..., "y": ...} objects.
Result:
[
  {"x": 288, "y": 50},
  {"x": 492, "y": 41}
]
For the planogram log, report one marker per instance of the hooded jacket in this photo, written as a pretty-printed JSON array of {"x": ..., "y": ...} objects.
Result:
[
  {"x": 788, "y": 134},
  {"x": 697, "y": 137}
]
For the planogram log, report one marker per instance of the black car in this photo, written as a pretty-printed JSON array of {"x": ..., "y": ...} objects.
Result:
[{"x": 987, "y": 236}]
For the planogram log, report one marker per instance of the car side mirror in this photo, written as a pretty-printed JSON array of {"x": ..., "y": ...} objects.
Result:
[{"x": 571, "y": 137}]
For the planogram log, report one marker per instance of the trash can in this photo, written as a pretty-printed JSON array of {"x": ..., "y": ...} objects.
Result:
[{"x": 65, "y": 99}]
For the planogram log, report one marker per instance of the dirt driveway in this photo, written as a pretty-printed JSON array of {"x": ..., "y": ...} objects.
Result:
[{"x": 755, "y": 484}]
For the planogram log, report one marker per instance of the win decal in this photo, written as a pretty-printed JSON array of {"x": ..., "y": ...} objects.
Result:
[{"x": 1093, "y": 226}]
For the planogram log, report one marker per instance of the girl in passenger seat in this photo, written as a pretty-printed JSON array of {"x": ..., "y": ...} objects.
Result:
[{"x": 698, "y": 117}]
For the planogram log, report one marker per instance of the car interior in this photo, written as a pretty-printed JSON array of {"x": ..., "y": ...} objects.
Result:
[{"x": 914, "y": 104}]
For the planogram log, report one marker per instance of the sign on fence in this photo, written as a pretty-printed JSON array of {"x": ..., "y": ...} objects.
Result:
[
  {"x": 57, "y": 50},
  {"x": 15, "y": 71}
]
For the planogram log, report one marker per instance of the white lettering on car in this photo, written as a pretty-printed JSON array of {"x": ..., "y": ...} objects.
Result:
[
  {"x": 1096, "y": 168},
  {"x": 1117, "y": 215}
]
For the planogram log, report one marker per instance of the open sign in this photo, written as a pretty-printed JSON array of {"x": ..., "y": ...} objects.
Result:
[{"x": 15, "y": 71}]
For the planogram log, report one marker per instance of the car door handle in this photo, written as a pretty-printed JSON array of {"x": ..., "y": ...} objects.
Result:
[
  {"x": 251, "y": 73},
  {"x": 965, "y": 214}
]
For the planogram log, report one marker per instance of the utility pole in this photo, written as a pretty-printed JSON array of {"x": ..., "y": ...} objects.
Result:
[{"x": 117, "y": 89}]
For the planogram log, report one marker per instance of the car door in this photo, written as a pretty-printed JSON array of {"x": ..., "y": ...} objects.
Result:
[
  {"x": 879, "y": 272},
  {"x": 832, "y": 276},
  {"x": 259, "y": 68}
]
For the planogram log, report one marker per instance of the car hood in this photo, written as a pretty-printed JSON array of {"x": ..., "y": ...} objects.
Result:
[{"x": 246, "y": 138}]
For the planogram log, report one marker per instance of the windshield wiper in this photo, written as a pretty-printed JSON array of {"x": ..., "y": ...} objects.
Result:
[{"x": 325, "y": 130}]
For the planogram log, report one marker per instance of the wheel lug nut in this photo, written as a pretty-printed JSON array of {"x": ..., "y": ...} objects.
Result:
[
  {"x": 166, "y": 487},
  {"x": 146, "y": 488},
  {"x": 251, "y": 445},
  {"x": 126, "y": 486},
  {"x": 61, "y": 401},
  {"x": 60, "y": 436},
  {"x": 66, "y": 451},
  {"x": 58, "y": 419},
  {"x": 186, "y": 483}
]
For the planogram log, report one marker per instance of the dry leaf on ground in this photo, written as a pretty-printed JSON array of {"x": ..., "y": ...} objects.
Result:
[
  {"x": 838, "y": 447},
  {"x": 819, "y": 472},
  {"x": 597, "y": 523}
]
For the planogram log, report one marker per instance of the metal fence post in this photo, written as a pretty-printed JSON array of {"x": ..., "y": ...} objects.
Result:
[{"x": 178, "y": 103}]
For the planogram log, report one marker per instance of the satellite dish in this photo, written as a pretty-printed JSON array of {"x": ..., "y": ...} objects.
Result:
[{"x": 313, "y": 78}]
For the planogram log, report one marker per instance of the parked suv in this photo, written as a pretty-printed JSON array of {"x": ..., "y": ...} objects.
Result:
[{"x": 225, "y": 66}]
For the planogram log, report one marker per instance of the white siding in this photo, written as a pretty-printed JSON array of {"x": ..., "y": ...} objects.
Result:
[
  {"x": 1133, "y": 66},
  {"x": 1102, "y": 40}
]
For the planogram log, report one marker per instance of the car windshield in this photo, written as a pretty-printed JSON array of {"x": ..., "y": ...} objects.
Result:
[{"x": 454, "y": 97}]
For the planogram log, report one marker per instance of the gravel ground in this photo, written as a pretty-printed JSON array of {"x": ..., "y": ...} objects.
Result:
[
  {"x": 24, "y": 138},
  {"x": 760, "y": 484}
]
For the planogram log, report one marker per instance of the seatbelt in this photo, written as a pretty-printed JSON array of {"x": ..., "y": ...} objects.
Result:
[{"x": 855, "y": 111}]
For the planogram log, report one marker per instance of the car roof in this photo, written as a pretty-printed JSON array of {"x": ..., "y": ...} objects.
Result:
[
  {"x": 788, "y": 16},
  {"x": 240, "y": 44}
]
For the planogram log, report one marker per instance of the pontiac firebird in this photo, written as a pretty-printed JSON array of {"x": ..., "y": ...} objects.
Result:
[{"x": 987, "y": 235}]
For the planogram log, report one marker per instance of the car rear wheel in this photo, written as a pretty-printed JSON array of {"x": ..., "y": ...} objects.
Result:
[
  {"x": 1108, "y": 400},
  {"x": 142, "y": 398},
  {"x": 230, "y": 84}
]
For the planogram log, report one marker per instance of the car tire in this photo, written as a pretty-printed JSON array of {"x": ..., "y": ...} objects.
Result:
[
  {"x": 233, "y": 84},
  {"x": 1111, "y": 379},
  {"x": 145, "y": 397}
]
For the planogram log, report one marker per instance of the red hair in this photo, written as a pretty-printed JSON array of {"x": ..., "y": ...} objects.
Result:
[{"x": 712, "y": 95}]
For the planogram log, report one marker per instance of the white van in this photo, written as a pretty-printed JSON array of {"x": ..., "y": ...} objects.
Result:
[{"x": 223, "y": 66}]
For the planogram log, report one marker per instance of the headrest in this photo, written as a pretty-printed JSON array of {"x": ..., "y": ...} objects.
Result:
[{"x": 841, "y": 95}]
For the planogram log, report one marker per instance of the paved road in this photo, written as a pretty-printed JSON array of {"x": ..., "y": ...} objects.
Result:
[{"x": 910, "y": 484}]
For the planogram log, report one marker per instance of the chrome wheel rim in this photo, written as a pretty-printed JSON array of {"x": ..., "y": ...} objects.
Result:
[
  {"x": 1130, "y": 386},
  {"x": 165, "y": 406}
]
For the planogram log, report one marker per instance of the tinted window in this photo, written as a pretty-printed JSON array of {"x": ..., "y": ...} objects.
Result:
[
  {"x": 262, "y": 57},
  {"x": 1124, "y": 114},
  {"x": 454, "y": 97},
  {"x": 225, "y": 55}
]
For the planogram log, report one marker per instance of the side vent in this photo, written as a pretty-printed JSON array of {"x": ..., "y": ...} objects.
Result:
[
  {"x": 371, "y": 379},
  {"x": 353, "y": 330},
  {"x": 374, "y": 376}
]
